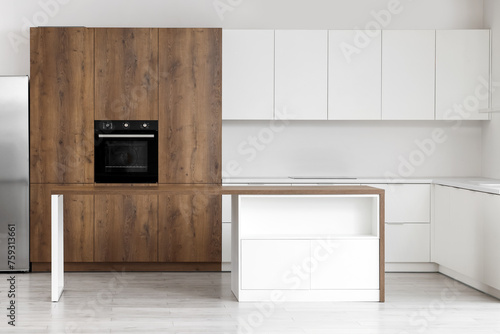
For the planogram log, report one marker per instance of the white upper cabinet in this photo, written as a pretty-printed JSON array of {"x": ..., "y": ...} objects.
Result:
[
  {"x": 354, "y": 77},
  {"x": 462, "y": 73},
  {"x": 408, "y": 74},
  {"x": 301, "y": 70},
  {"x": 248, "y": 74}
]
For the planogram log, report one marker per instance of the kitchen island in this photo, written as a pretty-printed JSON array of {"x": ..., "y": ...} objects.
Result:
[{"x": 294, "y": 243}]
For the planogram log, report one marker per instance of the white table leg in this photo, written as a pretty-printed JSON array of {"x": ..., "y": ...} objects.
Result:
[{"x": 57, "y": 225}]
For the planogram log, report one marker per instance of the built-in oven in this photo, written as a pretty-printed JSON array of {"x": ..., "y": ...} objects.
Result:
[{"x": 126, "y": 151}]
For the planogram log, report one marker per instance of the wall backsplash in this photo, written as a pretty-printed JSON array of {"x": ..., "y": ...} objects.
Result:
[{"x": 351, "y": 148}]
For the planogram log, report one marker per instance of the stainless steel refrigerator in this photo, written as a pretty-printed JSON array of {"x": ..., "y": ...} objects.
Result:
[{"x": 14, "y": 173}]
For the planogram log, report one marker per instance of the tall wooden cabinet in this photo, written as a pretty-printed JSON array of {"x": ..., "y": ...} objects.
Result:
[
  {"x": 62, "y": 105},
  {"x": 79, "y": 75},
  {"x": 190, "y": 123}
]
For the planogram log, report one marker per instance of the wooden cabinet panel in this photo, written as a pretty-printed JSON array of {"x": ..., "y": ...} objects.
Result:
[
  {"x": 78, "y": 226},
  {"x": 126, "y": 228},
  {"x": 190, "y": 228},
  {"x": 190, "y": 119},
  {"x": 126, "y": 74},
  {"x": 62, "y": 105}
]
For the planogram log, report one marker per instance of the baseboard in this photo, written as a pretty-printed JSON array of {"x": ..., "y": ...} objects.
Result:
[
  {"x": 424, "y": 267},
  {"x": 470, "y": 282},
  {"x": 130, "y": 266}
]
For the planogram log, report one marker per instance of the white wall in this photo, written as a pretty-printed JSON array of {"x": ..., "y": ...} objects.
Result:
[
  {"x": 351, "y": 148},
  {"x": 491, "y": 130},
  {"x": 17, "y": 16}
]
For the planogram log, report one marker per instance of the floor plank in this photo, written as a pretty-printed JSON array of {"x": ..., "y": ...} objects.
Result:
[{"x": 168, "y": 302}]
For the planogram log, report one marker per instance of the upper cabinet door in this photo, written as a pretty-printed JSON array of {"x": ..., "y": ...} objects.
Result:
[
  {"x": 248, "y": 74},
  {"x": 408, "y": 74},
  {"x": 354, "y": 77},
  {"x": 62, "y": 105},
  {"x": 301, "y": 70},
  {"x": 190, "y": 119},
  {"x": 126, "y": 74},
  {"x": 462, "y": 73}
]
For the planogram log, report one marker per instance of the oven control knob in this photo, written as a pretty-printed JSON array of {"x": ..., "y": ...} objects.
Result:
[
  {"x": 126, "y": 125},
  {"x": 107, "y": 125},
  {"x": 145, "y": 125}
]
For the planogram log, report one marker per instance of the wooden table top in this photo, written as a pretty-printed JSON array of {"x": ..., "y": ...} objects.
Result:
[{"x": 213, "y": 189}]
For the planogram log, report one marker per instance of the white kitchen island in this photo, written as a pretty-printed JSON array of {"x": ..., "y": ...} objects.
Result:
[
  {"x": 297, "y": 243},
  {"x": 307, "y": 243}
]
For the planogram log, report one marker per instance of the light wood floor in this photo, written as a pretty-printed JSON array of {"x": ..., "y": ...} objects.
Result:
[{"x": 203, "y": 303}]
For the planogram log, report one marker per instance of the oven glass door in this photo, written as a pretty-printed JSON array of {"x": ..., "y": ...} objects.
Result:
[{"x": 126, "y": 158}]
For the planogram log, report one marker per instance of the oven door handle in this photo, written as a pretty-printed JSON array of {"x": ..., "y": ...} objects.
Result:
[{"x": 124, "y": 136}]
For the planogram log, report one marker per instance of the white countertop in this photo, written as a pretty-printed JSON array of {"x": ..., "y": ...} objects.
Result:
[{"x": 481, "y": 184}]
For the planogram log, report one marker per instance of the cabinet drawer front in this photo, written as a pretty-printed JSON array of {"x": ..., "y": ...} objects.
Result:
[
  {"x": 407, "y": 243},
  {"x": 268, "y": 264},
  {"x": 406, "y": 203},
  {"x": 344, "y": 264}
]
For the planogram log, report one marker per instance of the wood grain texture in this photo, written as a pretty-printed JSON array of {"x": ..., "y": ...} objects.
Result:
[
  {"x": 190, "y": 110},
  {"x": 205, "y": 189},
  {"x": 126, "y": 74},
  {"x": 130, "y": 266},
  {"x": 126, "y": 228},
  {"x": 190, "y": 228},
  {"x": 62, "y": 105},
  {"x": 78, "y": 225}
]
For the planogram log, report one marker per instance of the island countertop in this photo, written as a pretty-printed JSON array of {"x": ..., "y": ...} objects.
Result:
[{"x": 214, "y": 189}]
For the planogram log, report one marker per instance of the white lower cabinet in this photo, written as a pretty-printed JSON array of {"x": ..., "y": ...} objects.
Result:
[
  {"x": 408, "y": 226},
  {"x": 458, "y": 231},
  {"x": 272, "y": 264},
  {"x": 407, "y": 243},
  {"x": 466, "y": 237},
  {"x": 491, "y": 240},
  {"x": 310, "y": 264},
  {"x": 344, "y": 264},
  {"x": 306, "y": 247}
]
